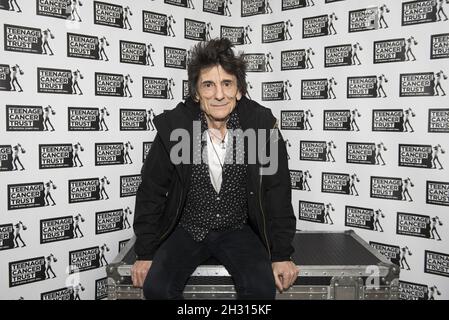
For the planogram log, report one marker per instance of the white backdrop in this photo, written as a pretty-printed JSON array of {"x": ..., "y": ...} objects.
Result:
[{"x": 333, "y": 72}]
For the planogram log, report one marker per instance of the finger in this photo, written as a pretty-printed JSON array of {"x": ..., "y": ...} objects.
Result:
[
  {"x": 277, "y": 279},
  {"x": 141, "y": 279},
  {"x": 293, "y": 279},
  {"x": 133, "y": 276},
  {"x": 286, "y": 281}
]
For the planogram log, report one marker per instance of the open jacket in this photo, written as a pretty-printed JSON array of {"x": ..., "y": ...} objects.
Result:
[{"x": 162, "y": 193}]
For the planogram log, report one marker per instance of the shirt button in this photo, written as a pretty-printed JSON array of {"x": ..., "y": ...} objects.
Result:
[
  {"x": 251, "y": 193},
  {"x": 218, "y": 198}
]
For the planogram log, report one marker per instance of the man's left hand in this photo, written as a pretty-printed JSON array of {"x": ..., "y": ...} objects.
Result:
[{"x": 285, "y": 274}]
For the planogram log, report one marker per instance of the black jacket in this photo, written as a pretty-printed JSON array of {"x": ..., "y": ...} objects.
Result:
[{"x": 162, "y": 193}]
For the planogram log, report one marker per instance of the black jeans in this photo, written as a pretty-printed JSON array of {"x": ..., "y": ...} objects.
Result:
[{"x": 240, "y": 251}]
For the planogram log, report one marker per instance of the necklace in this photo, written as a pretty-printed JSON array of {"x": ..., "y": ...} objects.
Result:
[
  {"x": 215, "y": 151},
  {"x": 222, "y": 140}
]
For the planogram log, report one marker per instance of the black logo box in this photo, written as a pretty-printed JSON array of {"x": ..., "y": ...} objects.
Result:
[
  {"x": 439, "y": 56},
  {"x": 436, "y": 202},
  {"x": 444, "y": 273}
]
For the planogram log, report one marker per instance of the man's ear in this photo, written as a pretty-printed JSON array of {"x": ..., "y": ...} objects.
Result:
[{"x": 239, "y": 95}]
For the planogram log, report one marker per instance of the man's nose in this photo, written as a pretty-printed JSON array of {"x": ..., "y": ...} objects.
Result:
[{"x": 219, "y": 94}]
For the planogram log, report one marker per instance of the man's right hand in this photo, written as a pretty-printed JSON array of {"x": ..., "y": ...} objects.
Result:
[{"x": 139, "y": 272}]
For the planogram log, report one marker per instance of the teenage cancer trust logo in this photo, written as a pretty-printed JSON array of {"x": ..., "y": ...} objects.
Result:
[
  {"x": 422, "y": 84},
  {"x": 423, "y": 11},
  {"x": 420, "y": 156},
  {"x": 30, "y": 195},
  {"x": 31, "y": 270}
]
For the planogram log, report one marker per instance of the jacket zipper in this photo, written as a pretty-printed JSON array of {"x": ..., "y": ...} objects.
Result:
[{"x": 260, "y": 204}]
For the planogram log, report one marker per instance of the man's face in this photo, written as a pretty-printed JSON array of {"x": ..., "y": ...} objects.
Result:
[{"x": 217, "y": 92}]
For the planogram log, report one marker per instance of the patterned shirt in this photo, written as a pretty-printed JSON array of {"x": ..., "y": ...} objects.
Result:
[{"x": 206, "y": 209}]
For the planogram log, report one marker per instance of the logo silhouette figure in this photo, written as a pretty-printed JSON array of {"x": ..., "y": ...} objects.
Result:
[
  {"x": 408, "y": 48},
  {"x": 352, "y": 121},
  {"x": 76, "y": 225},
  {"x": 48, "y": 187},
  {"x": 17, "y": 228},
  {"x": 77, "y": 74},
  {"x": 433, "y": 228},
  {"x": 331, "y": 18},
  {"x": 330, "y": 91},
  {"x": 377, "y": 225},
  {"x": 268, "y": 7},
  {"x": 103, "y": 181},
  {"x": 406, "y": 183},
  {"x": 102, "y": 257},
  {"x": 47, "y": 111},
  {"x": 149, "y": 119},
  {"x": 352, "y": 181},
  {"x": 45, "y": 45},
  {"x": 148, "y": 50},
  {"x": 76, "y": 291},
  {"x": 327, "y": 216},
  {"x": 171, "y": 83},
  {"x": 309, "y": 63},
  {"x": 436, "y": 151},
  {"x": 356, "y": 47},
  {"x": 307, "y": 114},
  {"x": 103, "y": 42},
  {"x": 12, "y": 8},
  {"x": 267, "y": 59},
  {"x": 286, "y": 95},
  {"x": 127, "y": 211},
  {"x": 382, "y": 11},
  {"x": 379, "y": 148},
  {"x": 227, "y": 12},
  {"x": 433, "y": 290},
  {"x": 208, "y": 30},
  {"x": 246, "y": 32},
  {"x": 287, "y": 35},
  {"x": 403, "y": 260},
  {"x": 74, "y": 9},
  {"x": 103, "y": 112},
  {"x": 249, "y": 85},
  {"x": 48, "y": 261},
  {"x": 17, "y": 150},
  {"x": 440, "y": 9},
  {"x": 381, "y": 80},
  {"x": 307, "y": 175},
  {"x": 14, "y": 77},
  {"x": 127, "y": 79},
  {"x": 407, "y": 114},
  {"x": 329, "y": 146},
  {"x": 126, "y": 156},
  {"x": 438, "y": 77},
  {"x": 170, "y": 21},
  {"x": 127, "y": 12},
  {"x": 76, "y": 149}
]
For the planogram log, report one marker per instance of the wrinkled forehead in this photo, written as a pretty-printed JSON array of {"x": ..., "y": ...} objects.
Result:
[{"x": 215, "y": 73}]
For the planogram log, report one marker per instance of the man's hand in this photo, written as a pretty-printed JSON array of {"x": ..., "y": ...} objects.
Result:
[
  {"x": 139, "y": 272},
  {"x": 285, "y": 274}
]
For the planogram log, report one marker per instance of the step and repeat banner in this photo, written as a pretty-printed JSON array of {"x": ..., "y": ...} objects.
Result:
[{"x": 359, "y": 88}]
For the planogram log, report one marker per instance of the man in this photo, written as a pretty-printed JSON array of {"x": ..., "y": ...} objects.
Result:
[{"x": 186, "y": 213}]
